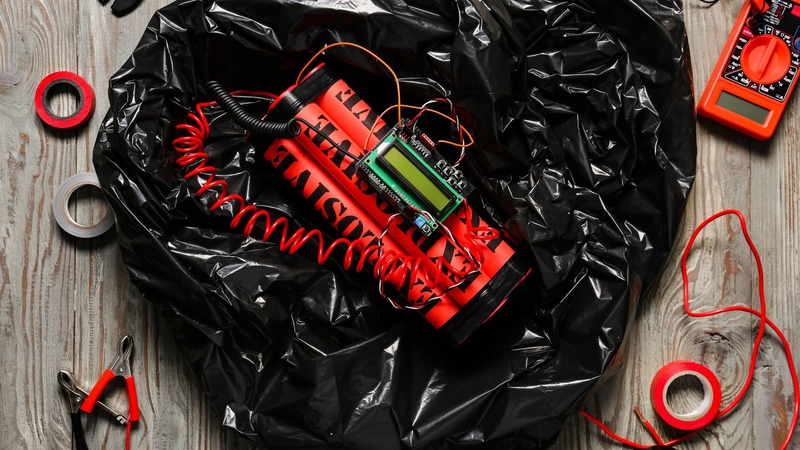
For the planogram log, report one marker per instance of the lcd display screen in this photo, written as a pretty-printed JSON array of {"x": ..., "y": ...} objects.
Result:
[
  {"x": 742, "y": 107},
  {"x": 414, "y": 176}
]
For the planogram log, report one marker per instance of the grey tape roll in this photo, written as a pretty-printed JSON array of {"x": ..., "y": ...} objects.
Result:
[{"x": 61, "y": 211}]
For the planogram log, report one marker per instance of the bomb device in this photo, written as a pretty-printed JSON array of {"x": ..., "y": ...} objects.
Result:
[
  {"x": 399, "y": 206},
  {"x": 756, "y": 73},
  {"x": 396, "y": 207}
]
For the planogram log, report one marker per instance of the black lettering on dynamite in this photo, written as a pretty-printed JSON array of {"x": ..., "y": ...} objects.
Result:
[
  {"x": 329, "y": 212},
  {"x": 350, "y": 170},
  {"x": 353, "y": 98},
  {"x": 345, "y": 223},
  {"x": 337, "y": 157},
  {"x": 286, "y": 162},
  {"x": 382, "y": 205},
  {"x": 321, "y": 131},
  {"x": 476, "y": 222},
  {"x": 319, "y": 191},
  {"x": 449, "y": 254},
  {"x": 282, "y": 160},
  {"x": 300, "y": 181},
  {"x": 425, "y": 292},
  {"x": 332, "y": 208},
  {"x": 373, "y": 241},
  {"x": 371, "y": 117}
]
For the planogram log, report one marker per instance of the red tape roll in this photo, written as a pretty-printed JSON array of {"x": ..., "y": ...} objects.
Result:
[
  {"x": 85, "y": 100},
  {"x": 709, "y": 407}
]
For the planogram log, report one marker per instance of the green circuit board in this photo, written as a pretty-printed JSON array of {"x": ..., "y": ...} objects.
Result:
[{"x": 405, "y": 179}]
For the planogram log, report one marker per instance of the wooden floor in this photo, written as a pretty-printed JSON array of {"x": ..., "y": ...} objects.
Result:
[{"x": 64, "y": 304}]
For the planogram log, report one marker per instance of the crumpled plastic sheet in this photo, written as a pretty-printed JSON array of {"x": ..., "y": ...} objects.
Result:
[{"x": 585, "y": 154}]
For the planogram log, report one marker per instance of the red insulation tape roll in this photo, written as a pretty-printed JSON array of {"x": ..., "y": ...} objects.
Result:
[
  {"x": 85, "y": 100},
  {"x": 703, "y": 414}
]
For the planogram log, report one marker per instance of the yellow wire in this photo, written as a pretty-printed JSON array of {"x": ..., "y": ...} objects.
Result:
[
  {"x": 350, "y": 44},
  {"x": 471, "y": 140}
]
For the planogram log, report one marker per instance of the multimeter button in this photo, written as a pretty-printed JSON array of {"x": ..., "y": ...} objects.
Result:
[{"x": 766, "y": 59}]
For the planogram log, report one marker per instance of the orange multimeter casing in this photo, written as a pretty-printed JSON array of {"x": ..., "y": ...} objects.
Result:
[{"x": 756, "y": 73}]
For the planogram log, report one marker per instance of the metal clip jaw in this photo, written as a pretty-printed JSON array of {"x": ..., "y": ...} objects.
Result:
[
  {"x": 122, "y": 365},
  {"x": 77, "y": 396}
]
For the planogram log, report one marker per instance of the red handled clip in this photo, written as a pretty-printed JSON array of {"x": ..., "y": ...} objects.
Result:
[{"x": 120, "y": 368}]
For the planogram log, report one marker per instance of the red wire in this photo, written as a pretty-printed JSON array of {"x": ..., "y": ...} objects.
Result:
[
  {"x": 388, "y": 266},
  {"x": 763, "y": 322},
  {"x": 611, "y": 433},
  {"x": 128, "y": 437}
]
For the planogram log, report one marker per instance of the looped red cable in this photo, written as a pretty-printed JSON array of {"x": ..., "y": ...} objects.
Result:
[
  {"x": 388, "y": 266},
  {"x": 764, "y": 321}
]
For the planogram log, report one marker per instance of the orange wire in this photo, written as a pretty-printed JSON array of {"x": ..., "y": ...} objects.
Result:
[
  {"x": 399, "y": 105},
  {"x": 350, "y": 44},
  {"x": 471, "y": 139}
]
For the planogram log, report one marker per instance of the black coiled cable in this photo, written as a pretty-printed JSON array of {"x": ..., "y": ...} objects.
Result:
[{"x": 249, "y": 122}]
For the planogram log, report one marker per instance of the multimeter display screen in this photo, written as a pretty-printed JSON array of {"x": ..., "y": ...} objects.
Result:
[
  {"x": 742, "y": 107},
  {"x": 416, "y": 178}
]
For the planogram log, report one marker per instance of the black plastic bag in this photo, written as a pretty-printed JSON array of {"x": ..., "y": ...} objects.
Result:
[{"x": 583, "y": 115}]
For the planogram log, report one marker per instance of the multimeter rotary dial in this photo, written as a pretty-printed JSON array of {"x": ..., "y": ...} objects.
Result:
[
  {"x": 757, "y": 70},
  {"x": 766, "y": 59}
]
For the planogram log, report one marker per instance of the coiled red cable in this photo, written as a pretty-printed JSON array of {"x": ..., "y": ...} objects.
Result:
[
  {"x": 388, "y": 266},
  {"x": 763, "y": 323}
]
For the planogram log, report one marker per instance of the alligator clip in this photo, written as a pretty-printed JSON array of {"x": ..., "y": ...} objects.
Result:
[
  {"x": 77, "y": 395},
  {"x": 120, "y": 368}
]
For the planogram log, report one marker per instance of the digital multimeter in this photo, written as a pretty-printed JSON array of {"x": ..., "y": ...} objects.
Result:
[{"x": 756, "y": 73}]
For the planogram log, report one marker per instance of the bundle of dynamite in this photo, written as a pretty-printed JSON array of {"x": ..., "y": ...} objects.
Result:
[
  {"x": 339, "y": 188},
  {"x": 401, "y": 208}
]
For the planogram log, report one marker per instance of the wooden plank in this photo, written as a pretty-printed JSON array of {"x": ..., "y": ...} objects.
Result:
[
  {"x": 733, "y": 172},
  {"x": 175, "y": 412},
  {"x": 65, "y": 303},
  {"x": 36, "y": 299},
  {"x": 774, "y": 205},
  {"x": 106, "y": 309}
]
